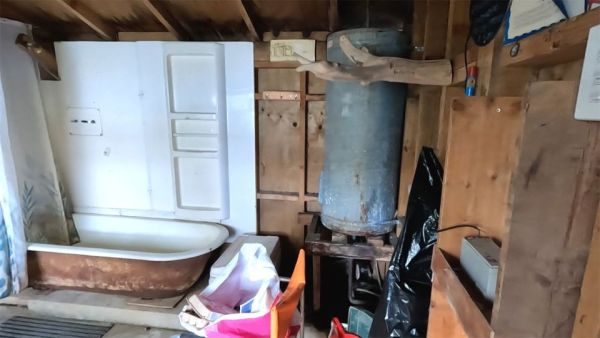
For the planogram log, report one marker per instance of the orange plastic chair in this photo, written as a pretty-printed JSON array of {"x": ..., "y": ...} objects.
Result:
[{"x": 282, "y": 313}]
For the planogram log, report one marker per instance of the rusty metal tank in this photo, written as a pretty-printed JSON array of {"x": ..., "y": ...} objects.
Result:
[{"x": 363, "y": 140}]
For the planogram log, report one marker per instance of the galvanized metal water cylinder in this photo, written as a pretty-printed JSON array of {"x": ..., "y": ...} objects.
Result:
[{"x": 363, "y": 140}]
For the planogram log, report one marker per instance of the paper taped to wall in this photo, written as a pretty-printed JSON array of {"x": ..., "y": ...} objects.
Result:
[{"x": 588, "y": 98}]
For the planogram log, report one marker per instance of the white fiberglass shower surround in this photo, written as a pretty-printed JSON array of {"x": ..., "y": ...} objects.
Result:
[{"x": 161, "y": 130}]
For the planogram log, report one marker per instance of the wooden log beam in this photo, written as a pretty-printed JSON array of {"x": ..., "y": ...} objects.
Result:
[
  {"x": 89, "y": 17},
  {"x": 45, "y": 58},
  {"x": 370, "y": 68},
  {"x": 165, "y": 17},
  {"x": 242, "y": 7}
]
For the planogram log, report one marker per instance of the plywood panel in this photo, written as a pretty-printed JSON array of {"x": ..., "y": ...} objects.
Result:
[
  {"x": 483, "y": 142},
  {"x": 281, "y": 158},
  {"x": 556, "y": 194},
  {"x": 315, "y": 139},
  {"x": 278, "y": 79}
]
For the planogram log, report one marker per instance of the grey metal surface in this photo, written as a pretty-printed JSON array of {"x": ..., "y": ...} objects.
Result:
[
  {"x": 26, "y": 327},
  {"x": 363, "y": 141}
]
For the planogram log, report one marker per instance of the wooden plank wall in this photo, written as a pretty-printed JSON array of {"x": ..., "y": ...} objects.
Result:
[
  {"x": 537, "y": 193},
  {"x": 556, "y": 195},
  {"x": 483, "y": 140},
  {"x": 587, "y": 319},
  {"x": 422, "y": 113},
  {"x": 290, "y": 147}
]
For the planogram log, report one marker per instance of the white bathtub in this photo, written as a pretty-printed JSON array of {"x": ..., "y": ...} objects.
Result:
[{"x": 137, "y": 256}]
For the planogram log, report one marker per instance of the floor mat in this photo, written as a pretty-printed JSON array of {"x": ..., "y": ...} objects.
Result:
[{"x": 26, "y": 327}]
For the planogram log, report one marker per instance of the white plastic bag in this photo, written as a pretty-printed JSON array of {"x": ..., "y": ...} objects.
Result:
[{"x": 248, "y": 284}]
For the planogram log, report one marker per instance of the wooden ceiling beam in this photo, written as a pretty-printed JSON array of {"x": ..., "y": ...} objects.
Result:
[
  {"x": 334, "y": 16},
  {"x": 167, "y": 19},
  {"x": 89, "y": 17},
  {"x": 247, "y": 19}
]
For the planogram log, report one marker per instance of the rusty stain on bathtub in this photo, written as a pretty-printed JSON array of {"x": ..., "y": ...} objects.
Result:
[{"x": 138, "y": 278}]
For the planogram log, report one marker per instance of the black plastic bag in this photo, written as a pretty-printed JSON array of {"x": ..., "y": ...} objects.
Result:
[{"x": 403, "y": 307}]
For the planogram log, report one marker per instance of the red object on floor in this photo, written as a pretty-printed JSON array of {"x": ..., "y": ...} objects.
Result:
[{"x": 337, "y": 330}]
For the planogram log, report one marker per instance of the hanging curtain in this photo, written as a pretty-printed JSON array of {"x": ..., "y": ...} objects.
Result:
[{"x": 30, "y": 194}]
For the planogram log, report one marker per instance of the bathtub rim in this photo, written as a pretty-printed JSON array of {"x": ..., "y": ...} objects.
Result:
[{"x": 81, "y": 249}]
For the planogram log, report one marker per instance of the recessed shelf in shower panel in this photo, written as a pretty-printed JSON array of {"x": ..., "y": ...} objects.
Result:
[{"x": 197, "y": 114}]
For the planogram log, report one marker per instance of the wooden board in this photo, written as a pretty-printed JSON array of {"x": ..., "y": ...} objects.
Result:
[
  {"x": 146, "y": 36},
  {"x": 564, "y": 72},
  {"x": 587, "y": 320},
  {"x": 418, "y": 28},
  {"x": 458, "y": 27},
  {"x": 436, "y": 24},
  {"x": 556, "y": 193},
  {"x": 443, "y": 320},
  {"x": 428, "y": 117},
  {"x": 448, "y": 94},
  {"x": 496, "y": 80},
  {"x": 315, "y": 139},
  {"x": 278, "y": 79},
  {"x": 409, "y": 153},
  {"x": 452, "y": 312},
  {"x": 481, "y": 155},
  {"x": 313, "y": 206},
  {"x": 280, "y": 218},
  {"x": 316, "y": 85},
  {"x": 281, "y": 158}
]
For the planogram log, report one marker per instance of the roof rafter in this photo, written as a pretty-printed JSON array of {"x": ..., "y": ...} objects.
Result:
[
  {"x": 89, "y": 17},
  {"x": 167, "y": 19},
  {"x": 334, "y": 17},
  {"x": 247, "y": 19}
]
